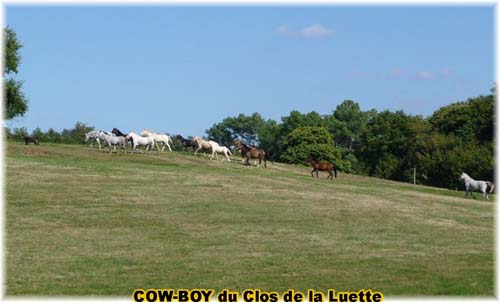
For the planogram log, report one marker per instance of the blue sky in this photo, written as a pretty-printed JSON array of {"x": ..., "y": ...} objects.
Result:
[{"x": 181, "y": 69}]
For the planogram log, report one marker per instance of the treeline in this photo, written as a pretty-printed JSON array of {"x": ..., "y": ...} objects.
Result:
[
  {"x": 455, "y": 138},
  {"x": 76, "y": 135}
]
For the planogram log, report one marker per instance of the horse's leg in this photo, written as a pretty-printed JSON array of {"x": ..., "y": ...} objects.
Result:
[
  {"x": 98, "y": 143},
  {"x": 169, "y": 149},
  {"x": 312, "y": 173},
  {"x": 317, "y": 173}
]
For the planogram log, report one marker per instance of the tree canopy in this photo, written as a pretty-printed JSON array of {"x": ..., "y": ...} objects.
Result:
[{"x": 15, "y": 100}]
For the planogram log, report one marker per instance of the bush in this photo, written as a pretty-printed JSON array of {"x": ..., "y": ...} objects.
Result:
[{"x": 304, "y": 141}]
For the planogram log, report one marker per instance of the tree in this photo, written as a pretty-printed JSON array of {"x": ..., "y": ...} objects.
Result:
[
  {"x": 39, "y": 135},
  {"x": 20, "y": 133},
  {"x": 471, "y": 121},
  {"x": 387, "y": 145},
  {"x": 242, "y": 126},
  {"x": 79, "y": 132},
  {"x": 304, "y": 141},
  {"x": 16, "y": 101},
  {"x": 347, "y": 122}
]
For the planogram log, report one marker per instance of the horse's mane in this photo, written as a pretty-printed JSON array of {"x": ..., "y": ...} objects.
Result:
[{"x": 118, "y": 132}]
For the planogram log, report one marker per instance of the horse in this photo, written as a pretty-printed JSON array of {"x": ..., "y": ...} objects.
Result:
[
  {"x": 138, "y": 140},
  {"x": 321, "y": 166},
  {"x": 113, "y": 140},
  {"x": 187, "y": 143},
  {"x": 216, "y": 148},
  {"x": 117, "y": 132},
  {"x": 159, "y": 138},
  {"x": 201, "y": 144},
  {"x": 485, "y": 187},
  {"x": 29, "y": 139},
  {"x": 251, "y": 152},
  {"x": 94, "y": 135}
]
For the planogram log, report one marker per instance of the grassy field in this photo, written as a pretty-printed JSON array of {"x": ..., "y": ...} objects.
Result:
[{"x": 82, "y": 222}]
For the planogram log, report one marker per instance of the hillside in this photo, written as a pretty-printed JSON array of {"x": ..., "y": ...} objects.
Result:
[{"x": 80, "y": 221}]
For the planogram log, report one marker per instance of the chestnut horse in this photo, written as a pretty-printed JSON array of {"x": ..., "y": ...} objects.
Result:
[
  {"x": 251, "y": 152},
  {"x": 321, "y": 166}
]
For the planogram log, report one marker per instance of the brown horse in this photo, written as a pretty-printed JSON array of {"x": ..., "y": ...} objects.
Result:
[
  {"x": 251, "y": 152},
  {"x": 321, "y": 166}
]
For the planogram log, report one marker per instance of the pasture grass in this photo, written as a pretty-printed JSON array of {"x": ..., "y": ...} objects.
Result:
[{"x": 82, "y": 222}]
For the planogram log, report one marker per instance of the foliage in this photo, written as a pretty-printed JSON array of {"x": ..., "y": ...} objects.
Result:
[
  {"x": 471, "y": 121},
  {"x": 19, "y": 133},
  {"x": 346, "y": 123},
  {"x": 243, "y": 127},
  {"x": 12, "y": 47},
  {"x": 385, "y": 139},
  {"x": 304, "y": 141},
  {"x": 15, "y": 100},
  {"x": 445, "y": 157},
  {"x": 75, "y": 135}
]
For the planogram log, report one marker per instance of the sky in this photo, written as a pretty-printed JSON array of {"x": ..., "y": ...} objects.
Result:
[{"x": 181, "y": 69}]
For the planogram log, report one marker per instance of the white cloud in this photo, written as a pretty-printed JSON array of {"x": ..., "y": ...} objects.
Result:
[
  {"x": 312, "y": 31},
  {"x": 316, "y": 30},
  {"x": 282, "y": 30},
  {"x": 396, "y": 72},
  {"x": 445, "y": 72},
  {"x": 424, "y": 75}
]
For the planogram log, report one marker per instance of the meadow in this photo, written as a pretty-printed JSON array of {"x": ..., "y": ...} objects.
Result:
[{"x": 82, "y": 222}]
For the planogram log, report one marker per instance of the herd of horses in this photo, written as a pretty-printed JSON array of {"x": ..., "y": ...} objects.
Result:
[
  {"x": 152, "y": 140},
  {"x": 115, "y": 138}
]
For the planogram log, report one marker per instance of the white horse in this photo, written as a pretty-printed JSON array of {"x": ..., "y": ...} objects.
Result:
[
  {"x": 94, "y": 135},
  {"x": 201, "y": 144},
  {"x": 485, "y": 187},
  {"x": 216, "y": 148},
  {"x": 138, "y": 140},
  {"x": 113, "y": 140},
  {"x": 159, "y": 138}
]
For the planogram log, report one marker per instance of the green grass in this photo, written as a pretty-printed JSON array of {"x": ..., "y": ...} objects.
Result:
[{"x": 83, "y": 222}]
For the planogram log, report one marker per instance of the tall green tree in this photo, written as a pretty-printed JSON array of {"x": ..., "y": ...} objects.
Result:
[
  {"x": 304, "y": 141},
  {"x": 471, "y": 121},
  {"x": 347, "y": 121},
  {"x": 15, "y": 100},
  {"x": 387, "y": 145}
]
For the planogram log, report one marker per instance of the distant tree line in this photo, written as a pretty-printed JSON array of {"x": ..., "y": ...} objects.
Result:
[
  {"x": 75, "y": 135},
  {"x": 455, "y": 138}
]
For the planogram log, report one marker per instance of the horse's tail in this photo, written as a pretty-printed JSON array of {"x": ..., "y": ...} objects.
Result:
[
  {"x": 490, "y": 187},
  {"x": 335, "y": 170}
]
